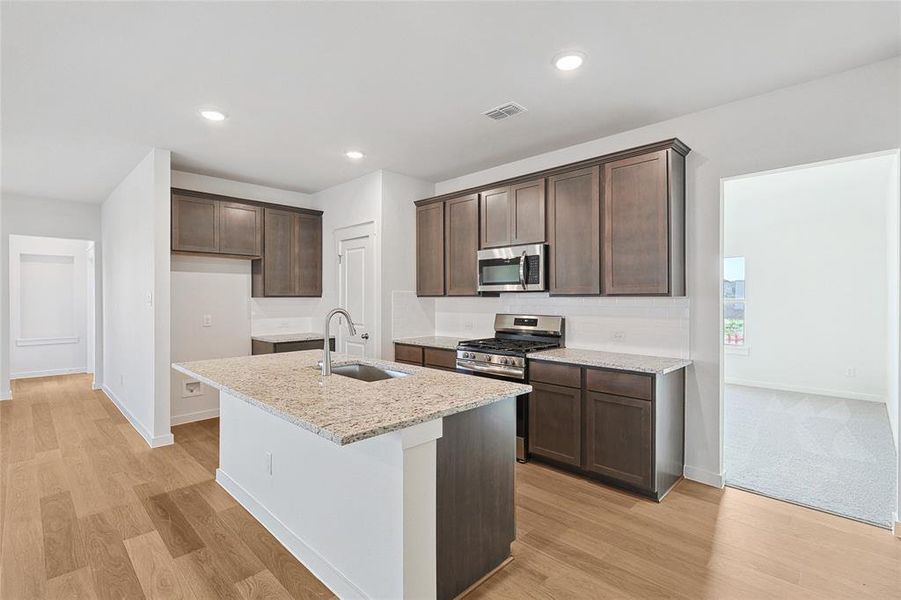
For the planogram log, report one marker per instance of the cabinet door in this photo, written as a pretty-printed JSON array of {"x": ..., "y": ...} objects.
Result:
[
  {"x": 279, "y": 253},
  {"x": 574, "y": 232},
  {"x": 308, "y": 254},
  {"x": 495, "y": 208},
  {"x": 636, "y": 226},
  {"x": 618, "y": 436},
  {"x": 527, "y": 211},
  {"x": 555, "y": 423},
  {"x": 195, "y": 224},
  {"x": 240, "y": 229},
  {"x": 462, "y": 245},
  {"x": 430, "y": 250}
]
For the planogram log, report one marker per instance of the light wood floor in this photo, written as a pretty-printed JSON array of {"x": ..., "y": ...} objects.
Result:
[{"x": 87, "y": 510}]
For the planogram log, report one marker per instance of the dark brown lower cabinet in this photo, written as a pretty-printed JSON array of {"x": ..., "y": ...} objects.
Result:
[
  {"x": 555, "y": 422},
  {"x": 626, "y": 429},
  {"x": 618, "y": 438},
  {"x": 261, "y": 347},
  {"x": 434, "y": 358}
]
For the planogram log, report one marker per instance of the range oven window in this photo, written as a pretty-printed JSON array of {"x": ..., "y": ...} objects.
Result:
[{"x": 499, "y": 271}]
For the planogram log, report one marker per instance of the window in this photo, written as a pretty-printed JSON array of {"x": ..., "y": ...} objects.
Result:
[{"x": 734, "y": 302}]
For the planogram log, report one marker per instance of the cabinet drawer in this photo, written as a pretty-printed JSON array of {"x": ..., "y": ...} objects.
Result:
[
  {"x": 410, "y": 354},
  {"x": 443, "y": 359},
  {"x": 620, "y": 383},
  {"x": 555, "y": 374}
]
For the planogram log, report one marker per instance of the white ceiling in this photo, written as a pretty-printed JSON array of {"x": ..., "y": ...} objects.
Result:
[{"x": 88, "y": 88}]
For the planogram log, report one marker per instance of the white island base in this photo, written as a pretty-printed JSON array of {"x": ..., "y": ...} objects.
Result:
[{"x": 362, "y": 517}]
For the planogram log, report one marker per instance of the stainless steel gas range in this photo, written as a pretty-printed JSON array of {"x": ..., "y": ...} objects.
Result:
[{"x": 504, "y": 357}]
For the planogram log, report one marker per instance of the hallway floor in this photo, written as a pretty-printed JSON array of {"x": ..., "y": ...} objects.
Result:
[
  {"x": 87, "y": 510},
  {"x": 832, "y": 454}
]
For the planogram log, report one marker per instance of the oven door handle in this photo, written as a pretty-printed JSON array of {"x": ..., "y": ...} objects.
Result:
[
  {"x": 522, "y": 270},
  {"x": 490, "y": 369}
]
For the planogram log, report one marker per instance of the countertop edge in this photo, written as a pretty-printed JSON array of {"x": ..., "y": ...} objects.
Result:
[
  {"x": 681, "y": 363},
  {"x": 415, "y": 341},
  {"x": 357, "y": 437}
]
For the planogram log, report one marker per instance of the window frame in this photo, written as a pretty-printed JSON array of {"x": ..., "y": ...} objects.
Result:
[{"x": 743, "y": 348}]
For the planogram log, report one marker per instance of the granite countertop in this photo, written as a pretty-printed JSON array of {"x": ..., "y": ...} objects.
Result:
[
  {"x": 432, "y": 341},
  {"x": 639, "y": 363},
  {"x": 344, "y": 410},
  {"x": 280, "y": 338}
]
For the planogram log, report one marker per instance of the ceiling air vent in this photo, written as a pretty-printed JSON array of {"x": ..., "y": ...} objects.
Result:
[{"x": 504, "y": 110}]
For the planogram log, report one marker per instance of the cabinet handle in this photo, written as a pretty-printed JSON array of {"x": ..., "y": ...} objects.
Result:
[{"x": 365, "y": 336}]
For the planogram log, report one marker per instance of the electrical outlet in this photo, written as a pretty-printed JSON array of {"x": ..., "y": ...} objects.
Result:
[
  {"x": 619, "y": 336},
  {"x": 467, "y": 325},
  {"x": 851, "y": 372},
  {"x": 269, "y": 463},
  {"x": 207, "y": 320},
  {"x": 189, "y": 389}
]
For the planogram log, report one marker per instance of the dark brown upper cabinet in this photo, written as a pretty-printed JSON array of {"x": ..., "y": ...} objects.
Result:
[
  {"x": 430, "y": 250},
  {"x": 574, "y": 232},
  {"x": 614, "y": 225},
  {"x": 291, "y": 265},
  {"x": 643, "y": 217},
  {"x": 195, "y": 224},
  {"x": 461, "y": 243},
  {"x": 513, "y": 215},
  {"x": 240, "y": 229},
  {"x": 209, "y": 224}
]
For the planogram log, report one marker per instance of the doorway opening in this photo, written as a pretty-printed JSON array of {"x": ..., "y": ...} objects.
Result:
[
  {"x": 810, "y": 335},
  {"x": 52, "y": 307}
]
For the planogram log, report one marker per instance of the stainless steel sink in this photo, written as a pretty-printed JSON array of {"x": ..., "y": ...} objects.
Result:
[{"x": 366, "y": 372}]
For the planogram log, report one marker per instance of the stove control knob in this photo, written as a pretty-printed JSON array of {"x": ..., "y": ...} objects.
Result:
[
  {"x": 467, "y": 355},
  {"x": 504, "y": 361}
]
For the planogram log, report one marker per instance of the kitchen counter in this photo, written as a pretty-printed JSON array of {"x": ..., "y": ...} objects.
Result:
[
  {"x": 341, "y": 409},
  {"x": 638, "y": 363},
  {"x": 333, "y": 467},
  {"x": 281, "y": 338},
  {"x": 432, "y": 341}
]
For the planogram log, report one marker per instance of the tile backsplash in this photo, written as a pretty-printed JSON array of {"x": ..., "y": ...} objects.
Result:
[{"x": 657, "y": 326}]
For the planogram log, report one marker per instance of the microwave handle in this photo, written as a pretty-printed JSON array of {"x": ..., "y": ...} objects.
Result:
[{"x": 522, "y": 270}]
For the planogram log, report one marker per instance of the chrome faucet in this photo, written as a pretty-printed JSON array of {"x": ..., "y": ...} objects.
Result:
[{"x": 326, "y": 351}]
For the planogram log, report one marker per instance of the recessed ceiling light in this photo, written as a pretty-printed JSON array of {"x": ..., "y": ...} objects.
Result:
[
  {"x": 211, "y": 114},
  {"x": 569, "y": 61},
  {"x": 354, "y": 154}
]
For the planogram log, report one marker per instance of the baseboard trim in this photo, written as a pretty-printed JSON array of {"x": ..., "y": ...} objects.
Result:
[
  {"x": 199, "y": 415},
  {"x": 45, "y": 373},
  {"x": 152, "y": 441},
  {"x": 333, "y": 579},
  {"x": 7, "y": 396},
  {"x": 806, "y": 390},
  {"x": 897, "y": 529},
  {"x": 704, "y": 476}
]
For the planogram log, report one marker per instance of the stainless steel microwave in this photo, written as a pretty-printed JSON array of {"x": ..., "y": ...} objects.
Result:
[{"x": 513, "y": 269}]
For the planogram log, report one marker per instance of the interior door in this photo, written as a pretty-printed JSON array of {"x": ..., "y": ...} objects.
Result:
[{"x": 356, "y": 290}]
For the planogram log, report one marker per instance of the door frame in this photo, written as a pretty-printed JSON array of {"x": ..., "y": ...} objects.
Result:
[
  {"x": 894, "y": 245},
  {"x": 366, "y": 228}
]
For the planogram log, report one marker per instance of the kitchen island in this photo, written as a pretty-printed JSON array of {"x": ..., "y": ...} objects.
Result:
[{"x": 396, "y": 488}]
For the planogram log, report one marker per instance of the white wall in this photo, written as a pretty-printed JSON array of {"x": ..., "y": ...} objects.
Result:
[
  {"x": 842, "y": 115},
  {"x": 136, "y": 319},
  {"x": 815, "y": 245},
  {"x": 48, "y": 292},
  {"x": 398, "y": 251},
  {"x": 220, "y": 288},
  {"x": 28, "y": 216}
]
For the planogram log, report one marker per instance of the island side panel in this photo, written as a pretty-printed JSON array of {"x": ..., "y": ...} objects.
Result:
[
  {"x": 476, "y": 457},
  {"x": 338, "y": 509}
]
